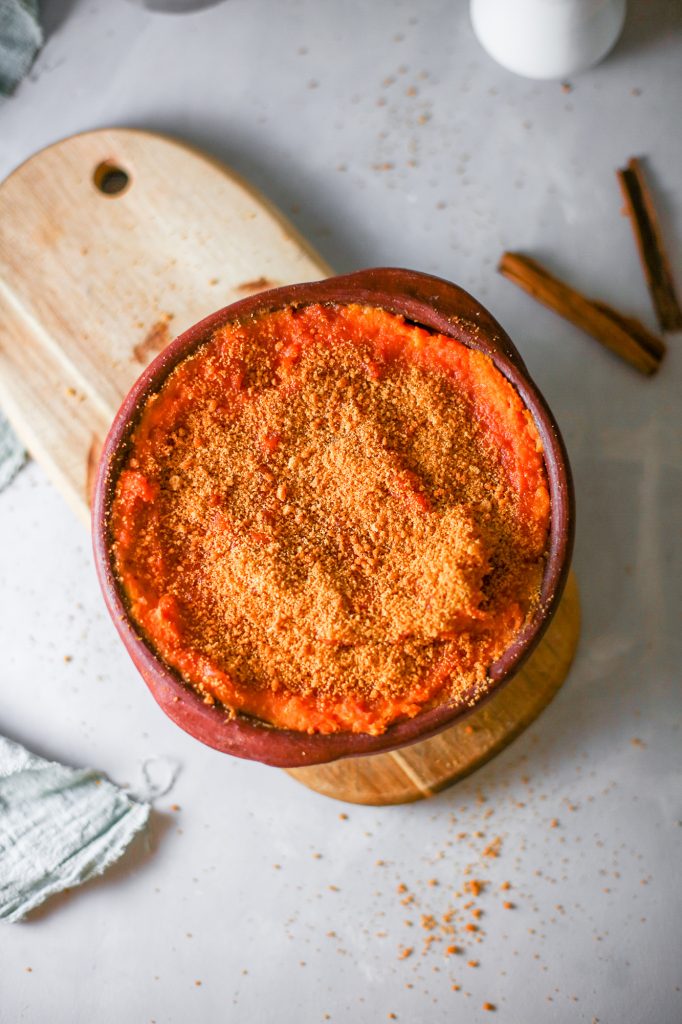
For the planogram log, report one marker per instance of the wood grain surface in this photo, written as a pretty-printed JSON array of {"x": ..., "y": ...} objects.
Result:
[
  {"x": 425, "y": 768},
  {"x": 93, "y": 284}
]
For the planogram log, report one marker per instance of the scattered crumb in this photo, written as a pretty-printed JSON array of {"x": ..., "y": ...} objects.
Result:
[{"x": 493, "y": 848}]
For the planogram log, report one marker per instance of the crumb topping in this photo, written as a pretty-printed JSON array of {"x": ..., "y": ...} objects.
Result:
[{"x": 332, "y": 518}]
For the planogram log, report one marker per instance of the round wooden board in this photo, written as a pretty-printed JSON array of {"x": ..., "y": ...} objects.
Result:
[{"x": 421, "y": 770}]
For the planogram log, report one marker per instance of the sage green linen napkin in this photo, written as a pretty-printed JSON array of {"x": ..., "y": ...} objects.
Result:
[
  {"x": 20, "y": 39},
  {"x": 12, "y": 454},
  {"x": 59, "y": 827}
]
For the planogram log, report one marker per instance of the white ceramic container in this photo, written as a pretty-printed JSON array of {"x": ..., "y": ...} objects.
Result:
[{"x": 547, "y": 38}]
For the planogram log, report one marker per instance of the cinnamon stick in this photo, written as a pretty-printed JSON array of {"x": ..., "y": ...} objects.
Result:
[
  {"x": 640, "y": 209},
  {"x": 627, "y": 337}
]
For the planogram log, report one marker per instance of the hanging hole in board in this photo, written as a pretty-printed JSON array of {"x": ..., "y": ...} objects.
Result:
[{"x": 110, "y": 179}]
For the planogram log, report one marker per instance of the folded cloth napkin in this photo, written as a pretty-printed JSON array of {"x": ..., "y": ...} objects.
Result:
[
  {"x": 12, "y": 454},
  {"x": 20, "y": 39},
  {"x": 59, "y": 827}
]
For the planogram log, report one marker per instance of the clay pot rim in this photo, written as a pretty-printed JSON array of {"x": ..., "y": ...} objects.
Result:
[{"x": 437, "y": 305}]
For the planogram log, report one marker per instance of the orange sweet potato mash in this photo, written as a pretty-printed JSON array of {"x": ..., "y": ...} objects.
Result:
[{"x": 331, "y": 519}]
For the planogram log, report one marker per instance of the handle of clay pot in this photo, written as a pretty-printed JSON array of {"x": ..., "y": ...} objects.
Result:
[{"x": 438, "y": 304}]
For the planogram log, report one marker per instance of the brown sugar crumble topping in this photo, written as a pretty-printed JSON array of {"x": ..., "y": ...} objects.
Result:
[{"x": 331, "y": 518}]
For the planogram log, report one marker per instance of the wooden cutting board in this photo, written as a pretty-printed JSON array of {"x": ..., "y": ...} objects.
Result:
[
  {"x": 112, "y": 243},
  {"x": 94, "y": 281}
]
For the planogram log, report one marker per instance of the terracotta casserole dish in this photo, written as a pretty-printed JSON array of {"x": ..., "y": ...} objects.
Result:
[{"x": 428, "y": 302}]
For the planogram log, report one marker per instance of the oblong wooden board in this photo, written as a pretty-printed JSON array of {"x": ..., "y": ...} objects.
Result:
[
  {"x": 423, "y": 769},
  {"x": 93, "y": 285}
]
